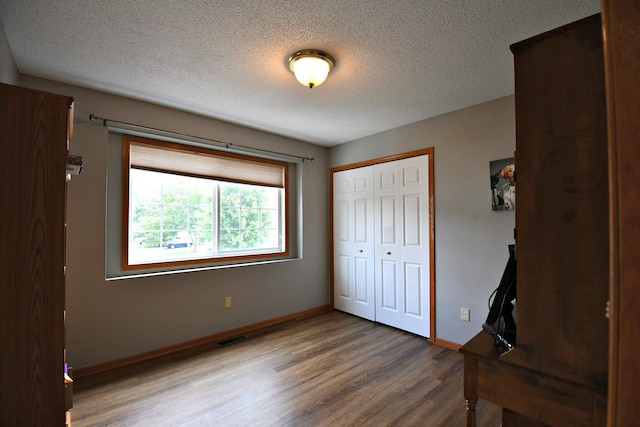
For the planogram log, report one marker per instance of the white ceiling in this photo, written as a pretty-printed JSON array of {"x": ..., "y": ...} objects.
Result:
[{"x": 397, "y": 62}]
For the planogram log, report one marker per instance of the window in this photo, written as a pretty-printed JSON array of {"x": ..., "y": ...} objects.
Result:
[{"x": 192, "y": 205}]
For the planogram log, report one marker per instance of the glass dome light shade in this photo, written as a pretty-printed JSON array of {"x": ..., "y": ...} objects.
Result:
[{"x": 311, "y": 67}]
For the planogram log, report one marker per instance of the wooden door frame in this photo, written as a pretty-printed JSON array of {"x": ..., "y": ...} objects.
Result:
[{"x": 432, "y": 260}]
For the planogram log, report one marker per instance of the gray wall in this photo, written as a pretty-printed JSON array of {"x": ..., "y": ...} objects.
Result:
[
  {"x": 110, "y": 319},
  {"x": 470, "y": 239},
  {"x": 8, "y": 70}
]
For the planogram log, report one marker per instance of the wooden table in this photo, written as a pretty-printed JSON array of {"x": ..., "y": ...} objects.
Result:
[{"x": 529, "y": 398}]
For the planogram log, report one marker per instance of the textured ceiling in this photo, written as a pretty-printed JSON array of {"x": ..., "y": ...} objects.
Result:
[{"x": 397, "y": 62}]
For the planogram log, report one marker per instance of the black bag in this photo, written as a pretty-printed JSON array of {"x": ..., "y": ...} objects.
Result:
[{"x": 500, "y": 322}]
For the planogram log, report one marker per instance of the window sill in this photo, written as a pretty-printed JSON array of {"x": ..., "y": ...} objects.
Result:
[{"x": 136, "y": 274}]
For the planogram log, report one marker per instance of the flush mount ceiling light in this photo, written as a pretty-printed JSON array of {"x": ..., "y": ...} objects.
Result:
[{"x": 311, "y": 66}]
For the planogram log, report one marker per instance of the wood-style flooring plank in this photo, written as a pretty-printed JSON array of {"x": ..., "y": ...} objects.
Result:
[{"x": 332, "y": 369}]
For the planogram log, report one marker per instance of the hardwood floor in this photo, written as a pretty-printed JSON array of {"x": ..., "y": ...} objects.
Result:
[{"x": 328, "y": 370}]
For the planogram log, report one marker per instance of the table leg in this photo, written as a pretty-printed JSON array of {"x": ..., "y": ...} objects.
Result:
[
  {"x": 471, "y": 412},
  {"x": 471, "y": 388}
]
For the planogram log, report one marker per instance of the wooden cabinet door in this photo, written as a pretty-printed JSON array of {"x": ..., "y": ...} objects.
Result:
[{"x": 33, "y": 151}]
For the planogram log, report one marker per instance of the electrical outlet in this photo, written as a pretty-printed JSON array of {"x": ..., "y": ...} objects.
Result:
[
  {"x": 227, "y": 302},
  {"x": 465, "y": 314}
]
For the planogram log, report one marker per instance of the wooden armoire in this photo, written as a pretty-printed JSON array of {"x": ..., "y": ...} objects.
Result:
[
  {"x": 35, "y": 129},
  {"x": 557, "y": 373}
]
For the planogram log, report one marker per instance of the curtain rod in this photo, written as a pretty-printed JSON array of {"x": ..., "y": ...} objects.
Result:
[{"x": 221, "y": 144}]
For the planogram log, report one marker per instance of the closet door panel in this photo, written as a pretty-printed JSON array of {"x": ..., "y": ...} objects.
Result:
[
  {"x": 343, "y": 274},
  {"x": 362, "y": 280},
  {"x": 388, "y": 294},
  {"x": 389, "y": 287},
  {"x": 413, "y": 290},
  {"x": 387, "y": 220},
  {"x": 412, "y": 220},
  {"x": 353, "y": 242},
  {"x": 342, "y": 279},
  {"x": 415, "y": 245},
  {"x": 402, "y": 238},
  {"x": 361, "y": 221},
  {"x": 341, "y": 213},
  {"x": 388, "y": 284}
]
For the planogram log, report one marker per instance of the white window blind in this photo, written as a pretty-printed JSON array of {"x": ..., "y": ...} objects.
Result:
[{"x": 192, "y": 161}]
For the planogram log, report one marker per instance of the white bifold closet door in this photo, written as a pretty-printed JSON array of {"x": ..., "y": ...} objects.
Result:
[
  {"x": 353, "y": 255},
  {"x": 401, "y": 230},
  {"x": 381, "y": 243}
]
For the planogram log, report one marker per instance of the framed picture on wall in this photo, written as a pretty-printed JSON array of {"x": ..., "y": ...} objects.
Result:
[{"x": 502, "y": 174}]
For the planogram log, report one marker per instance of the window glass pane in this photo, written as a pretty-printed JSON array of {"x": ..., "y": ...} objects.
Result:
[
  {"x": 173, "y": 220},
  {"x": 270, "y": 238},
  {"x": 270, "y": 199},
  {"x": 229, "y": 240},
  {"x": 204, "y": 241},
  {"x": 175, "y": 189},
  {"x": 230, "y": 196},
  {"x": 250, "y": 198},
  {"x": 200, "y": 193},
  {"x": 246, "y": 223},
  {"x": 201, "y": 217},
  {"x": 249, "y": 239},
  {"x": 229, "y": 218},
  {"x": 146, "y": 240},
  {"x": 150, "y": 181},
  {"x": 144, "y": 247},
  {"x": 250, "y": 219},
  {"x": 146, "y": 217},
  {"x": 269, "y": 219}
]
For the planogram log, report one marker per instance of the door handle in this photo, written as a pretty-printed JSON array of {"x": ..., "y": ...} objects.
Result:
[
  {"x": 361, "y": 251},
  {"x": 389, "y": 253}
]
